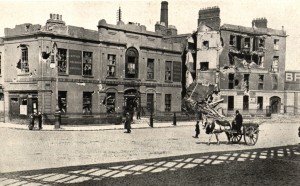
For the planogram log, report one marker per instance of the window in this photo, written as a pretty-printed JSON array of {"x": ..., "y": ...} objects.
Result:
[
  {"x": 111, "y": 65},
  {"x": 275, "y": 64},
  {"x": 62, "y": 61},
  {"x": 150, "y": 69},
  {"x": 231, "y": 59},
  {"x": 23, "y": 62},
  {"x": 247, "y": 42},
  {"x": 168, "y": 71},
  {"x": 131, "y": 63},
  {"x": 110, "y": 103},
  {"x": 62, "y": 101},
  {"x": 238, "y": 42},
  {"x": 230, "y": 103},
  {"x": 245, "y": 102},
  {"x": 259, "y": 103},
  {"x": 261, "y": 43},
  {"x": 177, "y": 71},
  {"x": 150, "y": 102},
  {"x": 246, "y": 83},
  {"x": 203, "y": 66},
  {"x": 276, "y": 44},
  {"x": 23, "y": 106},
  {"x": 168, "y": 102},
  {"x": 205, "y": 44},
  {"x": 87, "y": 103},
  {"x": 260, "y": 82},
  {"x": 232, "y": 40},
  {"x": 87, "y": 64},
  {"x": 230, "y": 81}
]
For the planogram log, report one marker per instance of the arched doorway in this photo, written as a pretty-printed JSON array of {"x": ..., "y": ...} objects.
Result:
[
  {"x": 131, "y": 61},
  {"x": 132, "y": 100},
  {"x": 275, "y": 103}
]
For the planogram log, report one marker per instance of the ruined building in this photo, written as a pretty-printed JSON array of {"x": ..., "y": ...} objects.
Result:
[
  {"x": 100, "y": 73},
  {"x": 247, "y": 64}
]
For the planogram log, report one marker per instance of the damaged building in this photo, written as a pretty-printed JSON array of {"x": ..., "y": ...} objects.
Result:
[
  {"x": 100, "y": 73},
  {"x": 247, "y": 64}
]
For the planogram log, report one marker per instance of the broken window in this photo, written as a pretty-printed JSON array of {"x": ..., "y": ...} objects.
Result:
[
  {"x": 87, "y": 63},
  {"x": 150, "y": 102},
  {"x": 205, "y": 45},
  {"x": 23, "y": 62},
  {"x": 111, "y": 65},
  {"x": 245, "y": 102},
  {"x": 62, "y": 60},
  {"x": 261, "y": 43},
  {"x": 62, "y": 101},
  {"x": 260, "y": 103},
  {"x": 168, "y": 71},
  {"x": 230, "y": 103},
  {"x": 275, "y": 64},
  {"x": 203, "y": 66},
  {"x": 238, "y": 42},
  {"x": 230, "y": 81},
  {"x": 110, "y": 102},
  {"x": 246, "y": 83},
  {"x": 131, "y": 63},
  {"x": 168, "y": 100},
  {"x": 247, "y": 42},
  {"x": 260, "y": 82},
  {"x": 232, "y": 40},
  {"x": 150, "y": 69},
  {"x": 87, "y": 103},
  {"x": 276, "y": 44}
]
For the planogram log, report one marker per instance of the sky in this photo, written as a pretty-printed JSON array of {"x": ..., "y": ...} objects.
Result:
[{"x": 182, "y": 13}]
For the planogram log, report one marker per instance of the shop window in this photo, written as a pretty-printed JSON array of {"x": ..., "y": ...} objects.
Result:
[
  {"x": 87, "y": 103},
  {"x": 247, "y": 42},
  {"x": 230, "y": 81},
  {"x": 111, "y": 65},
  {"x": 275, "y": 64},
  {"x": 260, "y": 103},
  {"x": 110, "y": 103},
  {"x": 260, "y": 82},
  {"x": 150, "y": 69},
  {"x": 203, "y": 66},
  {"x": 230, "y": 103},
  {"x": 168, "y": 71},
  {"x": 62, "y": 101},
  {"x": 62, "y": 60},
  {"x": 23, "y": 106},
  {"x": 168, "y": 100},
  {"x": 205, "y": 44},
  {"x": 131, "y": 63},
  {"x": 245, "y": 102},
  {"x": 232, "y": 40},
  {"x": 87, "y": 64},
  {"x": 276, "y": 44},
  {"x": 150, "y": 102}
]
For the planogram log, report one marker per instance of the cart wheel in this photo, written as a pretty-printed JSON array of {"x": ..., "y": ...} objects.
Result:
[
  {"x": 236, "y": 137},
  {"x": 251, "y": 135}
]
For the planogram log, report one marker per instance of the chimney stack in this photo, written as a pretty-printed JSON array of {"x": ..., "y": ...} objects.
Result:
[
  {"x": 260, "y": 23},
  {"x": 164, "y": 13},
  {"x": 210, "y": 16}
]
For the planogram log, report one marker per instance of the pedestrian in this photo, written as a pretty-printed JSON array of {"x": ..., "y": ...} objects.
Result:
[
  {"x": 197, "y": 129},
  {"x": 127, "y": 123},
  {"x": 31, "y": 121},
  {"x": 40, "y": 120},
  {"x": 138, "y": 113},
  {"x": 238, "y": 122}
]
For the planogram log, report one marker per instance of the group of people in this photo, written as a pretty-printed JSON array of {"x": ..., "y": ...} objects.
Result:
[
  {"x": 236, "y": 124},
  {"x": 32, "y": 120}
]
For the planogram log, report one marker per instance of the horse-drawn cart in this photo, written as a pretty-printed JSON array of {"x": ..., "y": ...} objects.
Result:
[{"x": 249, "y": 131}]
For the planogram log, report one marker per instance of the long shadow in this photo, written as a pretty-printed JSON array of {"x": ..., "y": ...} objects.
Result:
[{"x": 262, "y": 166}]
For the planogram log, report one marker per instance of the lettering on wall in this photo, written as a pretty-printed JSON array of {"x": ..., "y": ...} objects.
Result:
[
  {"x": 292, "y": 77},
  {"x": 75, "y": 62}
]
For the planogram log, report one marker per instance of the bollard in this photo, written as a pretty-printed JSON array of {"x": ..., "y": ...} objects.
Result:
[
  {"x": 174, "y": 119},
  {"x": 151, "y": 119}
]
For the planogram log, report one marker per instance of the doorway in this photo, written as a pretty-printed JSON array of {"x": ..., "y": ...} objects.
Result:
[
  {"x": 132, "y": 100},
  {"x": 275, "y": 103}
]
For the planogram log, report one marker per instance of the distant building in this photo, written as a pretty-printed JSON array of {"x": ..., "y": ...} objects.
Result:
[
  {"x": 246, "y": 63},
  {"x": 100, "y": 74}
]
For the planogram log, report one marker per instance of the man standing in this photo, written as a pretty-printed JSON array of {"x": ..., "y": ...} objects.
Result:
[
  {"x": 238, "y": 121},
  {"x": 127, "y": 124},
  {"x": 197, "y": 129}
]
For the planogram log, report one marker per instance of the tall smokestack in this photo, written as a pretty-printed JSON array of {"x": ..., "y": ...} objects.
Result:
[{"x": 164, "y": 12}]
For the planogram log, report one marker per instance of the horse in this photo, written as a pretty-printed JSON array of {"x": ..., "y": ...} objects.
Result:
[{"x": 215, "y": 126}]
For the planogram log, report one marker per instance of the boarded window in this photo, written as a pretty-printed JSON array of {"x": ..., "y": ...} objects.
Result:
[{"x": 176, "y": 71}]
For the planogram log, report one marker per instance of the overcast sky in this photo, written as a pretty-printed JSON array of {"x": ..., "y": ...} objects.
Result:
[{"x": 182, "y": 13}]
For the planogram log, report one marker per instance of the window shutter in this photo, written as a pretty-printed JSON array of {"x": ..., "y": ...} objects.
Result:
[{"x": 176, "y": 71}]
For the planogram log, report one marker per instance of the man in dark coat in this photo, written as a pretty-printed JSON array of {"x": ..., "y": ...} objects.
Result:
[
  {"x": 197, "y": 129},
  {"x": 127, "y": 124},
  {"x": 238, "y": 121}
]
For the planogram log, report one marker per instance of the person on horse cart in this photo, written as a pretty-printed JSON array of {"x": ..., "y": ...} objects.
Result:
[{"x": 238, "y": 122}]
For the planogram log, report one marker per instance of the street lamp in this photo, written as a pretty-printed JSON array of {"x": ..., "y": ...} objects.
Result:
[{"x": 54, "y": 64}]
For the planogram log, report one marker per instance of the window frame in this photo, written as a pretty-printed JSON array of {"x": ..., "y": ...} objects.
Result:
[
  {"x": 87, "y": 103},
  {"x": 276, "y": 44},
  {"x": 111, "y": 65},
  {"x": 260, "y": 82},
  {"x": 150, "y": 101},
  {"x": 110, "y": 102},
  {"x": 150, "y": 69},
  {"x": 62, "y": 61},
  {"x": 168, "y": 102},
  {"x": 24, "y": 60},
  {"x": 87, "y": 62},
  {"x": 63, "y": 105},
  {"x": 168, "y": 72}
]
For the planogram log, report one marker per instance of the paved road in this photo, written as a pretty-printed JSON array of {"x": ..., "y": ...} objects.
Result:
[{"x": 112, "y": 157}]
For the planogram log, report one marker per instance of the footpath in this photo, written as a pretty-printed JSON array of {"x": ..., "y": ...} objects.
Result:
[{"x": 136, "y": 125}]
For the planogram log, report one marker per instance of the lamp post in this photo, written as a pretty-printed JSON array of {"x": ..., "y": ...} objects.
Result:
[{"x": 54, "y": 65}]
